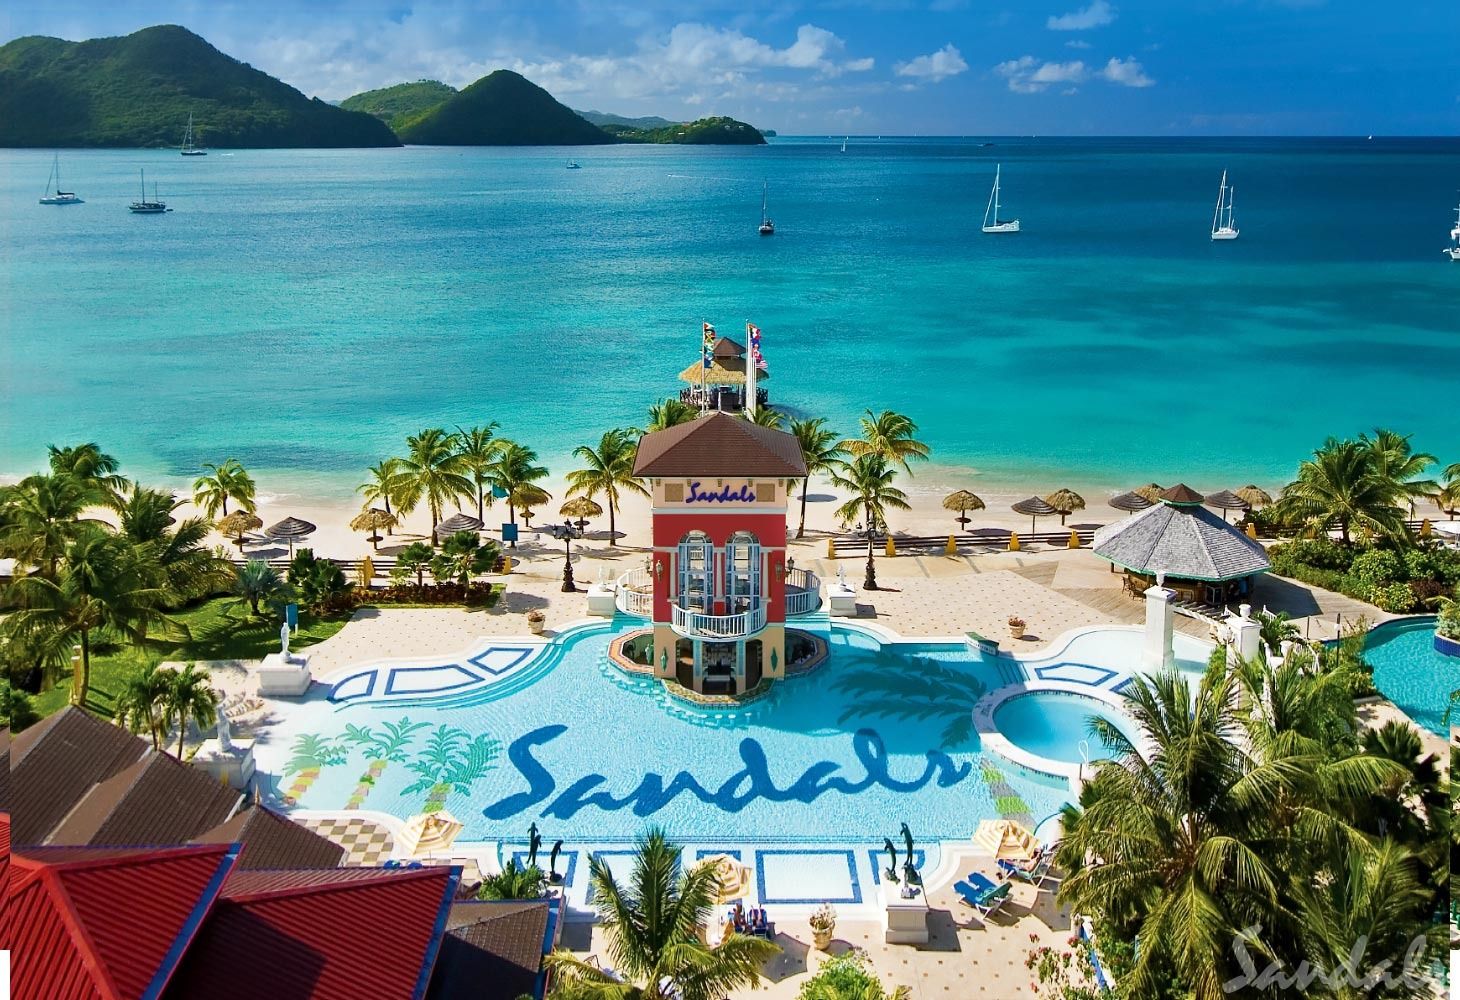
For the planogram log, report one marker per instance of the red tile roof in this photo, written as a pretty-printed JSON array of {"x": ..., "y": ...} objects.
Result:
[
  {"x": 90, "y": 924},
  {"x": 273, "y": 841},
  {"x": 719, "y": 445},
  {"x": 319, "y": 935},
  {"x": 56, "y": 761},
  {"x": 4, "y": 881},
  {"x": 158, "y": 800}
]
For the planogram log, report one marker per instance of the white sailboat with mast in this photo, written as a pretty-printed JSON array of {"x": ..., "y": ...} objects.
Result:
[
  {"x": 188, "y": 149},
  {"x": 844, "y": 143},
  {"x": 767, "y": 227},
  {"x": 1454, "y": 248},
  {"x": 54, "y": 195},
  {"x": 1223, "y": 227},
  {"x": 145, "y": 207},
  {"x": 991, "y": 223}
]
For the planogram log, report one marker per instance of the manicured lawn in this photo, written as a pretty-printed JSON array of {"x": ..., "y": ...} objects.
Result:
[{"x": 219, "y": 630}]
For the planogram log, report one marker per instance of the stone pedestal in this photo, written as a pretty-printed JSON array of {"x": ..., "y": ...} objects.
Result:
[
  {"x": 1158, "y": 653},
  {"x": 601, "y": 601},
  {"x": 1246, "y": 634},
  {"x": 232, "y": 766},
  {"x": 281, "y": 676},
  {"x": 904, "y": 921},
  {"x": 841, "y": 599}
]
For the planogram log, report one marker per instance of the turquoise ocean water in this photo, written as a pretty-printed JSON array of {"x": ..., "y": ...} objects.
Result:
[{"x": 305, "y": 310}]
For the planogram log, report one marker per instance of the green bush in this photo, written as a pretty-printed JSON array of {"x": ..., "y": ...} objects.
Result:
[
  {"x": 848, "y": 976},
  {"x": 1377, "y": 567},
  {"x": 1449, "y": 623},
  {"x": 1323, "y": 553},
  {"x": 1396, "y": 598}
]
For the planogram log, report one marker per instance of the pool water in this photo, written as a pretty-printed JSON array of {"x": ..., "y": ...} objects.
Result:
[
  {"x": 1053, "y": 725},
  {"x": 1410, "y": 672},
  {"x": 879, "y": 735}
]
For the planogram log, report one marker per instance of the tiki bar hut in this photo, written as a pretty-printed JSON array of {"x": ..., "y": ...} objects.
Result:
[
  {"x": 1202, "y": 557},
  {"x": 722, "y": 385}
]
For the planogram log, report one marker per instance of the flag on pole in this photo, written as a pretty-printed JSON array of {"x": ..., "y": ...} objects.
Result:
[
  {"x": 707, "y": 350},
  {"x": 753, "y": 332}
]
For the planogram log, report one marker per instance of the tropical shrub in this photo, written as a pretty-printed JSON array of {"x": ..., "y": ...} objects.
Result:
[
  {"x": 16, "y": 710},
  {"x": 848, "y": 976},
  {"x": 1066, "y": 974},
  {"x": 319, "y": 583},
  {"x": 475, "y": 594},
  {"x": 1376, "y": 567},
  {"x": 1449, "y": 622},
  {"x": 1396, "y": 598},
  {"x": 514, "y": 881}
]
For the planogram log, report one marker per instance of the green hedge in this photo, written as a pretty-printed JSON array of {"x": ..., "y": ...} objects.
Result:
[{"x": 1396, "y": 581}]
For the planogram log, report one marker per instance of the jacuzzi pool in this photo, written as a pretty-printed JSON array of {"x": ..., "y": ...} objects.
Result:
[{"x": 1054, "y": 724}]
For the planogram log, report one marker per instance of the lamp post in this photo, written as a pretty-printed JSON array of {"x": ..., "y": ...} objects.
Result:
[{"x": 567, "y": 533}]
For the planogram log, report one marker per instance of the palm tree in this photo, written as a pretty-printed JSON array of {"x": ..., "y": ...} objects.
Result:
[
  {"x": 869, "y": 477},
  {"x": 890, "y": 435},
  {"x": 42, "y": 515},
  {"x": 463, "y": 556},
  {"x": 190, "y": 696},
  {"x": 1339, "y": 483},
  {"x": 433, "y": 471},
  {"x": 189, "y": 569},
  {"x": 669, "y": 413},
  {"x": 652, "y": 924},
  {"x": 256, "y": 581},
  {"x": 478, "y": 450},
  {"x": 143, "y": 693},
  {"x": 383, "y": 486},
  {"x": 516, "y": 468},
  {"x": 609, "y": 470},
  {"x": 1395, "y": 460},
  {"x": 765, "y": 416},
  {"x": 93, "y": 468},
  {"x": 820, "y": 451},
  {"x": 222, "y": 483},
  {"x": 415, "y": 558}
]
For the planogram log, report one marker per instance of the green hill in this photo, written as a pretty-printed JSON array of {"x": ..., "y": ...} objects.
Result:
[
  {"x": 602, "y": 118},
  {"x": 138, "y": 90},
  {"x": 501, "y": 109},
  {"x": 705, "y": 132},
  {"x": 394, "y": 105}
]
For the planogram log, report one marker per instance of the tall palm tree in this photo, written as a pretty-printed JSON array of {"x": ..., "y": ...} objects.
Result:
[
  {"x": 434, "y": 471},
  {"x": 1340, "y": 483},
  {"x": 891, "y": 435},
  {"x": 652, "y": 924},
  {"x": 41, "y": 516},
  {"x": 477, "y": 447},
  {"x": 93, "y": 468},
  {"x": 222, "y": 483},
  {"x": 190, "y": 695},
  {"x": 820, "y": 451},
  {"x": 869, "y": 478},
  {"x": 384, "y": 486},
  {"x": 608, "y": 469},
  {"x": 670, "y": 412},
  {"x": 515, "y": 469},
  {"x": 765, "y": 416},
  {"x": 1395, "y": 459},
  {"x": 189, "y": 569},
  {"x": 140, "y": 699}
]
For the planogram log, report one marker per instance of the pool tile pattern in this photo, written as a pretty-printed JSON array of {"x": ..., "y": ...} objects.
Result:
[
  {"x": 807, "y": 876},
  {"x": 365, "y": 841}
]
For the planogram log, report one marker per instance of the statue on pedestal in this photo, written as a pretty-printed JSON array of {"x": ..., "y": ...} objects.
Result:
[
  {"x": 225, "y": 731},
  {"x": 891, "y": 873},
  {"x": 284, "y": 641}
]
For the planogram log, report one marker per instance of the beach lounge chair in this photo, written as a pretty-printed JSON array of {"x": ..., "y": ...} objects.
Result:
[
  {"x": 975, "y": 888},
  {"x": 994, "y": 900},
  {"x": 1036, "y": 874}
]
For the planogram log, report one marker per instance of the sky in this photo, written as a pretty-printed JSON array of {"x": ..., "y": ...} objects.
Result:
[{"x": 932, "y": 67}]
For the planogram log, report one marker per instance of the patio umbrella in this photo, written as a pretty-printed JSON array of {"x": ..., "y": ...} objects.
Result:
[
  {"x": 1006, "y": 839},
  {"x": 457, "y": 522},
  {"x": 427, "y": 832},
  {"x": 290, "y": 530},
  {"x": 734, "y": 877},
  {"x": 237, "y": 523},
  {"x": 1254, "y": 496},
  {"x": 1227, "y": 500},
  {"x": 580, "y": 509},
  {"x": 962, "y": 501},
  {"x": 1034, "y": 507},
  {"x": 1066, "y": 502},
  {"x": 1130, "y": 502},
  {"x": 1151, "y": 491},
  {"x": 373, "y": 520}
]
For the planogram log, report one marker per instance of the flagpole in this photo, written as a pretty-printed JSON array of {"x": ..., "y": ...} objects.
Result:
[
  {"x": 703, "y": 369},
  {"x": 750, "y": 371}
]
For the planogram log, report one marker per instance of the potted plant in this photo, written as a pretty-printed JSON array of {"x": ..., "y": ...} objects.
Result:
[
  {"x": 535, "y": 621},
  {"x": 1016, "y": 626},
  {"x": 823, "y": 923}
]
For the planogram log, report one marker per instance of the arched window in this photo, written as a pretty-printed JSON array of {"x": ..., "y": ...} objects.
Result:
[
  {"x": 696, "y": 568},
  {"x": 742, "y": 572}
]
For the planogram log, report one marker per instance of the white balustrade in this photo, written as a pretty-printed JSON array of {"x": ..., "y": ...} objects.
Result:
[{"x": 698, "y": 625}]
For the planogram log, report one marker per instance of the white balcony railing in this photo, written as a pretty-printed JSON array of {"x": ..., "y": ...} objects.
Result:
[
  {"x": 636, "y": 593},
  {"x": 698, "y": 625},
  {"x": 803, "y": 592}
]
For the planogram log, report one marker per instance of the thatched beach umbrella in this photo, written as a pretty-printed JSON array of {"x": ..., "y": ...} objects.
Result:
[
  {"x": 1151, "y": 491},
  {"x": 963, "y": 501},
  {"x": 1227, "y": 500},
  {"x": 457, "y": 522},
  {"x": 291, "y": 530},
  {"x": 237, "y": 523},
  {"x": 1066, "y": 502},
  {"x": 1130, "y": 502},
  {"x": 580, "y": 509},
  {"x": 1254, "y": 496},
  {"x": 373, "y": 520},
  {"x": 1034, "y": 507}
]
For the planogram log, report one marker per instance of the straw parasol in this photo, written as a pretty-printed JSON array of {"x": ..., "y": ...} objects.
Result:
[
  {"x": 373, "y": 520},
  {"x": 291, "y": 530},
  {"x": 1227, "y": 500},
  {"x": 580, "y": 509},
  {"x": 457, "y": 522},
  {"x": 734, "y": 877},
  {"x": 237, "y": 523},
  {"x": 1255, "y": 496},
  {"x": 962, "y": 501},
  {"x": 427, "y": 832},
  {"x": 1131, "y": 502},
  {"x": 1151, "y": 491},
  {"x": 1006, "y": 840},
  {"x": 1065, "y": 501},
  {"x": 1034, "y": 507}
]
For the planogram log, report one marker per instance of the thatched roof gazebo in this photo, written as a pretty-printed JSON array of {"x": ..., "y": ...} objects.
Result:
[
  {"x": 1035, "y": 507},
  {"x": 1198, "y": 554},
  {"x": 725, "y": 381},
  {"x": 291, "y": 530}
]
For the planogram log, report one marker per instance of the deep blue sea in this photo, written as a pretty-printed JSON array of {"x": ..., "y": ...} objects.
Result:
[{"x": 305, "y": 310}]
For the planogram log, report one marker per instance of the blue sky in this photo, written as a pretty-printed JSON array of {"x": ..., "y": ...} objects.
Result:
[{"x": 1149, "y": 67}]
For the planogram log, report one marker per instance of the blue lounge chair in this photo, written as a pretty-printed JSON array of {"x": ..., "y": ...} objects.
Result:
[
  {"x": 968, "y": 894},
  {"x": 994, "y": 900},
  {"x": 1034, "y": 874},
  {"x": 980, "y": 882}
]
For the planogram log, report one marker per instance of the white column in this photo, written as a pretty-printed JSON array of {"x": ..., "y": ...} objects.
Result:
[
  {"x": 1246, "y": 634},
  {"x": 1159, "y": 653}
]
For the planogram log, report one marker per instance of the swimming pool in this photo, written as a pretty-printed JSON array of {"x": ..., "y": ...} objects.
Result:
[
  {"x": 558, "y": 736},
  {"x": 1410, "y": 672},
  {"x": 1054, "y": 724}
]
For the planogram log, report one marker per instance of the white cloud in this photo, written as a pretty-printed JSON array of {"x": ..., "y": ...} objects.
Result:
[
  {"x": 1099, "y": 13},
  {"x": 1077, "y": 43},
  {"x": 1126, "y": 72},
  {"x": 1027, "y": 75},
  {"x": 934, "y": 66}
]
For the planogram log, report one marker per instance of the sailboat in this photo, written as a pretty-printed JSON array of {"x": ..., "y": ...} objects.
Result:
[
  {"x": 574, "y": 165},
  {"x": 844, "y": 144},
  {"x": 145, "y": 207},
  {"x": 767, "y": 227},
  {"x": 991, "y": 223},
  {"x": 1222, "y": 228},
  {"x": 1454, "y": 248},
  {"x": 188, "y": 149},
  {"x": 58, "y": 197}
]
